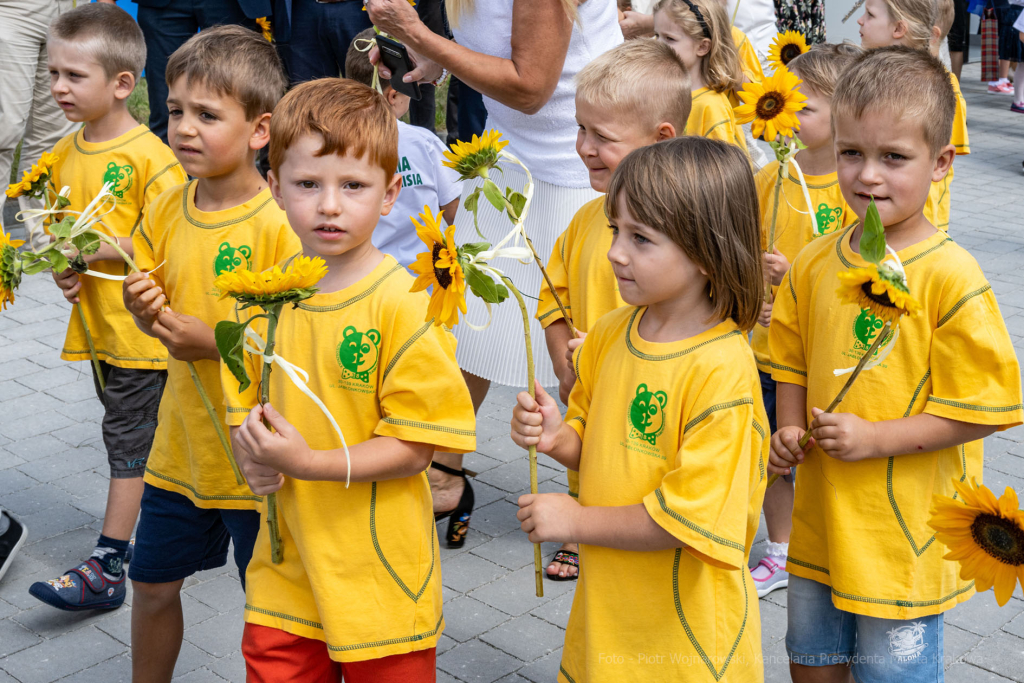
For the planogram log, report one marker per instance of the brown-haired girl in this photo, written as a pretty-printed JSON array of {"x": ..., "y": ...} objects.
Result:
[{"x": 666, "y": 428}]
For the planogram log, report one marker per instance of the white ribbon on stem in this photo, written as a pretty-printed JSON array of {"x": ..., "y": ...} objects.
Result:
[{"x": 293, "y": 371}]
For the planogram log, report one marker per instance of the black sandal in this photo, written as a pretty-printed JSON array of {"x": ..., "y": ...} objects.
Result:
[
  {"x": 565, "y": 557},
  {"x": 458, "y": 519}
]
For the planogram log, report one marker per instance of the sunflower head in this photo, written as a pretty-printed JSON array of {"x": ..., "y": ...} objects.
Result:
[
  {"x": 475, "y": 158},
  {"x": 985, "y": 535},
  {"x": 879, "y": 289},
  {"x": 10, "y": 268},
  {"x": 440, "y": 268},
  {"x": 771, "y": 105},
  {"x": 33, "y": 182},
  {"x": 265, "y": 28},
  {"x": 785, "y": 48},
  {"x": 292, "y": 284}
]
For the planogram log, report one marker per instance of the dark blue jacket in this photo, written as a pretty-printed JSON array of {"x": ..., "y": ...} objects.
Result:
[{"x": 252, "y": 8}]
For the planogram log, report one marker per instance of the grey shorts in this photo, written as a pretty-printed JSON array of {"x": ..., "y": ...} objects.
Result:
[{"x": 131, "y": 402}]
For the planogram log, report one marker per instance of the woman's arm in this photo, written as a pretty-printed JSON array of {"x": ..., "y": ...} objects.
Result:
[{"x": 540, "y": 40}]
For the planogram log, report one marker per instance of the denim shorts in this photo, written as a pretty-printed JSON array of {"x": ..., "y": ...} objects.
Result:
[
  {"x": 131, "y": 402},
  {"x": 175, "y": 538},
  {"x": 878, "y": 650}
]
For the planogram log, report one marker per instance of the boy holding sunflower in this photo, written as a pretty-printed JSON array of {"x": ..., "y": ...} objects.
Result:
[
  {"x": 223, "y": 84},
  {"x": 358, "y": 590},
  {"x": 868, "y": 581}
]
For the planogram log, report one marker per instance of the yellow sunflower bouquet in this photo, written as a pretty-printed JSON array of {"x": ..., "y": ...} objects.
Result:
[
  {"x": 984, "y": 535},
  {"x": 271, "y": 290}
]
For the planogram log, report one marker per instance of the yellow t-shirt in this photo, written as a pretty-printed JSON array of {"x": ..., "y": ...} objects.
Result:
[
  {"x": 749, "y": 63},
  {"x": 711, "y": 116},
  {"x": 580, "y": 271},
  {"x": 936, "y": 209},
  {"x": 187, "y": 457},
  {"x": 141, "y": 166},
  {"x": 680, "y": 428},
  {"x": 862, "y": 527},
  {"x": 794, "y": 229},
  {"x": 361, "y": 568}
]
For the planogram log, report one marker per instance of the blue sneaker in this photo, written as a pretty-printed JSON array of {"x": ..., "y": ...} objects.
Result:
[{"x": 84, "y": 587}]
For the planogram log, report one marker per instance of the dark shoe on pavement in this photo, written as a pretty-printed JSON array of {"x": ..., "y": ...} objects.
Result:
[
  {"x": 84, "y": 587},
  {"x": 10, "y": 542}
]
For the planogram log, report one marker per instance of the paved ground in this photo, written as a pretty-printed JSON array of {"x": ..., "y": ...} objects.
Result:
[{"x": 53, "y": 474}]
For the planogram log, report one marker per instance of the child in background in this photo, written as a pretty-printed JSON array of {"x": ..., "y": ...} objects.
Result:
[
  {"x": 358, "y": 593},
  {"x": 425, "y": 180},
  {"x": 698, "y": 31},
  {"x": 865, "y": 568},
  {"x": 95, "y": 55},
  {"x": 796, "y": 225},
  {"x": 914, "y": 23},
  {"x": 619, "y": 108},
  {"x": 223, "y": 83},
  {"x": 666, "y": 428}
]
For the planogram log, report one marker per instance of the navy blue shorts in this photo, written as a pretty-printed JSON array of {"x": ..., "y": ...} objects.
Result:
[{"x": 176, "y": 539}]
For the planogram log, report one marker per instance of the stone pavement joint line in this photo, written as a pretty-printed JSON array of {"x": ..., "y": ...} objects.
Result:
[{"x": 53, "y": 474}]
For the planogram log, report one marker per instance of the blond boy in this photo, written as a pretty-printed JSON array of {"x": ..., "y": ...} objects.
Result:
[
  {"x": 620, "y": 105},
  {"x": 868, "y": 582},
  {"x": 95, "y": 55},
  {"x": 223, "y": 83}
]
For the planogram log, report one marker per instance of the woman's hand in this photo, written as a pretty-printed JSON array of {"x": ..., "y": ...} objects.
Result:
[
  {"x": 425, "y": 71},
  {"x": 397, "y": 18}
]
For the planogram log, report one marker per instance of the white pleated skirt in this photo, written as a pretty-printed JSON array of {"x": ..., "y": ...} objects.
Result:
[{"x": 499, "y": 352}]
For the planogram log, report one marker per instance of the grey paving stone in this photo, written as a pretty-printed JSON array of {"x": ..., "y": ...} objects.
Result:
[
  {"x": 54, "y": 377},
  {"x": 22, "y": 349},
  {"x": 72, "y": 461},
  {"x": 14, "y": 637},
  {"x": 11, "y": 389},
  {"x": 514, "y": 593},
  {"x": 496, "y": 519},
  {"x": 30, "y": 314},
  {"x": 556, "y": 611},
  {"x": 37, "y": 447},
  {"x": 1015, "y": 626},
  {"x": 466, "y": 618},
  {"x": 191, "y": 658},
  {"x": 511, "y": 551},
  {"x": 957, "y": 642},
  {"x": 114, "y": 670},
  {"x": 230, "y": 668},
  {"x": 526, "y": 638},
  {"x": 442, "y": 677},
  {"x": 543, "y": 670},
  {"x": 982, "y": 615},
  {"x": 773, "y": 622},
  {"x": 87, "y": 431},
  {"x": 84, "y": 485},
  {"x": 88, "y": 410},
  {"x": 477, "y": 662},
  {"x": 219, "y": 636},
  {"x": 469, "y": 572},
  {"x": 1001, "y": 653},
  {"x": 222, "y": 594},
  {"x": 55, "y": 520},
  {"x": 64, "y": 550},
  {"x": 962, "y": 672},
  {"x": 12, "y": 480},
  {"x": 203, "y": 675},
  {"x": 34, "y": 499},
  {"x": 515, "y": 475},
  {"x": 444, "y": 643},
  {"x": 479, "y": 462},
  {"x": 48, "y": 622},
  {"x": 49, "y": 660}
]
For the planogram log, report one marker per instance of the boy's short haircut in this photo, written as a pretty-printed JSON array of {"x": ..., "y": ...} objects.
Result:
[
  {"x": 352, "y": 118},
  {"x": 945, "y": 14},
  {"x": 903, "y": 81},
  {"x": 820, "y": 66},
  {"x": 643, "y": 80},
  {"x": 232, "y": 61},
  {"x": 357, "y": 63},
  {"x": 116, "y": 40}
]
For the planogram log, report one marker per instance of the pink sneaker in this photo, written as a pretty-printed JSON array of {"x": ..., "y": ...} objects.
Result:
[
  {"x": 769, "y": 575},
  {"x": 1004, "y": 88}
]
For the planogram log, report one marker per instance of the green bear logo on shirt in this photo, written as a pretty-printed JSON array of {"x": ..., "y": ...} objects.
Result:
[
  {"x": 828, "y": 219},
  {"x": 229, "y": 258},
  {"x": 358, "y": 353},
  {"x": 120, "y": 178},
  {"x": 647, "y": 414},
  {"x": 866, "y": 327}
]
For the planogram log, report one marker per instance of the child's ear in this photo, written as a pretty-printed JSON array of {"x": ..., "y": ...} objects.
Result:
[
  {"x": 391, "y": 194},
  {"x": 899, "y": 30},
  {"x": 124, "y": 84},
  {"x": 275, "y": 188},
  {"x": 943, "y": 163},
  {"x": 665, "y": 131},
  {"x": 704, "y": 47},
  {"x": 261, "y": 132}
]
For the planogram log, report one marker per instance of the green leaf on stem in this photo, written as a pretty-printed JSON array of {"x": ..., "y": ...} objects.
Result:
[
  {"x": 58, "y": 261},
  {"x": 483, "y": 286},
  {"x": 494, "y": 195},
  {"x": 230, "y": 338},
  {"x": 62, "y": 229},
  {"x": 872, "y": 241},
  {"x": 471, "y": 205},
  {"x": 474, "y": 248},
  {"x": 87, "y": 243},
  {"x": 514, "y": 204}
]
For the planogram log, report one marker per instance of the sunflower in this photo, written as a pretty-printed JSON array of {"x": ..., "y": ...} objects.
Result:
[
  {"x": 10, "y": 268},
  {"x": 474, "y": 158},
  {"x": 786, "y": 47},
  {"x": 273, "y": 286},
  {"x": 772, "y": 105},
  {"x": 879, "y": 289},
  {"x": 439, "y": 267},
  {"x": 268, "y": 32},
  {"x": 34, "y": 181},
  {"x": 985, "y": 535}
]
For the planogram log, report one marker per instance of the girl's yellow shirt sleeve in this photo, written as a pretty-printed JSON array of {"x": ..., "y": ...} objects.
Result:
[
  {"x": 711, "y": 117},
  {"x": 705, "y": 501},
  {"x": 749, "y": 63},
  {"x": 785, "y": 344},
  {"x": 558, "y": 270},
  {"x": 585, "y": 362}
]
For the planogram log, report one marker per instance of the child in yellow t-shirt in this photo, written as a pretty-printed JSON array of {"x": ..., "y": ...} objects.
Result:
[
  {"x": 921, "y": 25},
  {"x": 797, "y": 224},
  {"x": 619, "y": 108},
  {"x": 358, "y": 593},
  {"x": 667, "y": 430},
  {"x": 95, "y": 55},
  {"x": 868, "y": 582},
  {"x": 698, "y": 31},
  {"x": 223, "y": 84}
]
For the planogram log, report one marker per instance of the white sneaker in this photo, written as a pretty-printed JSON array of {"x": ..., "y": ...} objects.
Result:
[{"x": 769, "y": 575}]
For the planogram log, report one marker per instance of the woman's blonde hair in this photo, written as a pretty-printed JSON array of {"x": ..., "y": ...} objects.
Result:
[
  {"x": 919, "y": 16},
  {"x": 720, "y": 67},
  {"x": 454, "y": 8},
  {"x": 701, "y": 195}
]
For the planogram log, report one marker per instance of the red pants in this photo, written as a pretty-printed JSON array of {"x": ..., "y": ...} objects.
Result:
[{"x": 274, "y": 656}]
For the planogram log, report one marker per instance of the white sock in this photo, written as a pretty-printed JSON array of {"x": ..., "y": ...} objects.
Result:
[{"x": 778, "y": 552}]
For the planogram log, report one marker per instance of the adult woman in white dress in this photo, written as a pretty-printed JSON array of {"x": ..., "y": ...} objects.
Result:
[{"x": 522, "y": 56}]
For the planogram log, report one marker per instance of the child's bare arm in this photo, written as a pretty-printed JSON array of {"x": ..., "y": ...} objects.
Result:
[
  {"x": 286, "y": 451},
  {"x": 845, "y": 436},
  {"x": 538, "y": 422},
  {"x": 559, "y": 518},
  {"x": 557, "y": 336},
  {"x": 449, "y": 210},
  {"x": 108, "y": 253},
  {"x": 791, "y": 404}
]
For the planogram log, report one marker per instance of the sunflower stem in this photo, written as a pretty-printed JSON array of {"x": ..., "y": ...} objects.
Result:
[
  {"x": 273, "y": 522},
  {"x": 92, "y": 349},
  {"x": 225, "y": 444},
  {"x": 538, "y": 569},
  {"x": 771, "y": 232},
  {"x": 551, "y": 286},
  {"x": 882, "y": 335}
]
